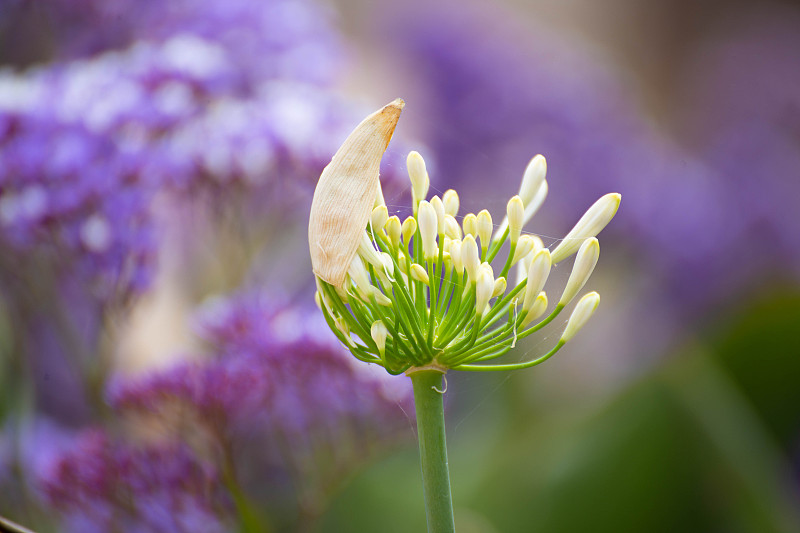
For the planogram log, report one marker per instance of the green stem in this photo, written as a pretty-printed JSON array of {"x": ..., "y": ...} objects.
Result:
[{"x": 428, "y": 394}]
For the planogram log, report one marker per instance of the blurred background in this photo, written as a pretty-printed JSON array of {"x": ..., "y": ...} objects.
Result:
[{"x": 163, "y": 367}]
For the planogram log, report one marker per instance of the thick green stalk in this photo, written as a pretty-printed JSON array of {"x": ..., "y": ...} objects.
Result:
[{"x": 428, "y": 394}]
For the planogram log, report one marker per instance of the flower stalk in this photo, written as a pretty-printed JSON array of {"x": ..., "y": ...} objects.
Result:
[{"x": 429, "y": 405}]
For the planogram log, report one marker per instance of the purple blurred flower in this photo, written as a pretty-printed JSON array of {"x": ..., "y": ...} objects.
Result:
[
  {"x": 279, "y": 395},
  {"x": 276, "y": 366},
  {"x": 103, "y": 484},
  {"x": 270, "y": 39},
  {"x": 66, "y": 194}
]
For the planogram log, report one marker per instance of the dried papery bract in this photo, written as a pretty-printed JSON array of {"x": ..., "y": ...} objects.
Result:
[{"x": 346, "y": 193}]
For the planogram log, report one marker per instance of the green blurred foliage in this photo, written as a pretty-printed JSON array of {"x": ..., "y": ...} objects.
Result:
[{"x": 701, "y": 443}]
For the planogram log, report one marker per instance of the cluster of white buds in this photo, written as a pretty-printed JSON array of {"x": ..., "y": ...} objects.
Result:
[{"x": 422, "y": 293}]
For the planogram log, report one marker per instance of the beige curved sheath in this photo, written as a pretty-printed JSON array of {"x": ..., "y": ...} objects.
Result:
[{"x": 345, "y": 194}]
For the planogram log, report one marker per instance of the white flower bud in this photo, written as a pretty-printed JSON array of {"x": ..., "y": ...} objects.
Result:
[
  {"x": 532, "y": 192},
  {"x": 515, "y": 210},
  {"x": 394, "y": 230},
  {"x": 341, "y": 293},
  {"x": 483, "y": 291},
  {"x": 470, "y": 257},
  {"x": 368, "y": 253},
  {"x": 418, "y": 273},
  {"x": 485, "y": 228},
  {"x": 537, "y": 309},
  {"x": 451, "y": 202},
  {"x": 537, "y": 276},
  {"x": 470, "y": 224},
  {"x": 380, "y": 298},
  {"x": 499, "y": 287},
  {"x": 451, "y": 227},
  {"x": 455, "y": 256},
  {"x": 591, "y": 223},
  {"x": 379, "y": 334},
  {"x": 409, "y": 229},
  {"x": 584, "y": 265},
  {"x": 523, "y": 266},
  {"x": 582, "y": 313},
  {"x": 438, "y": 206},
  {"x": 358, "y": 273},
  {"x": 418, "y": 175},
  {"x": 524, "y": 247},
  {"x": 534, "y": 205},
  {"x": 378, "y": 218},
  {"x": 428, "y": 226},
  {"x": 532, "y": 179},
  {"x": 342, "y": 326},
  {"x": 388, "y": 264}
]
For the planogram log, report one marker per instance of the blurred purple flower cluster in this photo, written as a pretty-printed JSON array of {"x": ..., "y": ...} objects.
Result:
[
  {"x": 145, "y": 115},
  {"x": 105, "y": 484},
  {"x": 205, "y": 98},
  {"x": 275, "y": 364},
  {"x": 279, "y": 394},
  {"x": 278, "y": 39}
]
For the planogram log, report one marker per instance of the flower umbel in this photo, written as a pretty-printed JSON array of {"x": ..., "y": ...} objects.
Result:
[{"x": 423, "y": 295}]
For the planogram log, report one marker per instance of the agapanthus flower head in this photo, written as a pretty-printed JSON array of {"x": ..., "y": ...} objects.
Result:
[{"x": 433, "y": 299}]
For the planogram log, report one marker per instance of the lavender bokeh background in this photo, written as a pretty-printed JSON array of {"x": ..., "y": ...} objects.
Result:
[{"x": 153, "y": 153}]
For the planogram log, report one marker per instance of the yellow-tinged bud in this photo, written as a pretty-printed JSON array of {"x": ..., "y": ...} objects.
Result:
[
  {"x": 537, "y": 276},
  {"x": 418, "y": 273},
  {"x": 470, "y": 257},
  {"x": 419, "y": 177},
  {"x": 483, "y": 291},
  {"x": 591, "y": 223},
  {"x": 394, "y": 230},
  {"x": 485, "y": 228},
  {"x": 438, "y": 206},
  {"x": 515, "y": 211},
  {"x": 451, "y": 202},
  {"x": 318, "y": 300},
  {"x": 537, "y": 309},
  {"x": 344, "y": 329},
  {"x": 524, "y": 247},
  {"x": 455, "y": 256},
  {"x": 378, "y": 218},
  {"x": 342, "y": 293},
  {"x": 388, "y": 264},
  {"x": 499, "y": 287},
  {"x": 379, "y": 334},
  {"x": 380, "y": 298},
  {"x": 470, "y": 224},
  {"x": 409, "y": 229},
  {"x": 582, "y": 313},
  {"x": 428, "y": 226},
  {"x": 583, "y": 268},
  {"x": 358, "y": 273},
  {"x": 451, "y": 227}
]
